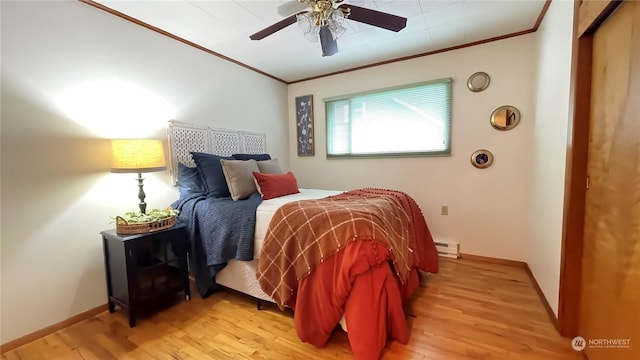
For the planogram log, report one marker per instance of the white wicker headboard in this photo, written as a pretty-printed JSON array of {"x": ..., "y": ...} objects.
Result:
[{"x": 185, "y": 138}]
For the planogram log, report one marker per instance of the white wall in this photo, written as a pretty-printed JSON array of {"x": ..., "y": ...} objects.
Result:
[
  {"x": 548, "y": 155},
  {"x": 488, "y": 209},
  {"x": 57, "y": 194}
]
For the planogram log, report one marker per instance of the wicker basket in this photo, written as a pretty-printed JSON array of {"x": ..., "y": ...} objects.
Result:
[{"x": 122, "y": 227}]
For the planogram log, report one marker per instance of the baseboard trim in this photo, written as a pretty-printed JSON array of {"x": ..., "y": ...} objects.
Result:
[
  {"x": 493, "y": 260},
  {"x": 525, "y": 266},
  {"x": 545, "y": 303},
  {"x": 51, "y": 329}
]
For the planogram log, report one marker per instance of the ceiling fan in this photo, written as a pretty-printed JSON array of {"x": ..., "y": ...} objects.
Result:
[{"x": 324, "y": 21}]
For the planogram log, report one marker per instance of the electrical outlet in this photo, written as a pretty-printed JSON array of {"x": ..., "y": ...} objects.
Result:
[{"x": 444, "y": 210}]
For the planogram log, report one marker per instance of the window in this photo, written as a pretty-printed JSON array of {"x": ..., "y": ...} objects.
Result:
[{"x": 412, "y": 120}]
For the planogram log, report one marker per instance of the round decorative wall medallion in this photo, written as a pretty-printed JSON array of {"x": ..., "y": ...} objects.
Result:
[
  {"x": 478, "y": 81},
  {"x": 482, "y": 158},
  {"x": 505, "y": 118}
]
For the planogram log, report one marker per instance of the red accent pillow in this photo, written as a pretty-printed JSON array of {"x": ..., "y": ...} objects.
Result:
[{"x": 275, "y": 185}]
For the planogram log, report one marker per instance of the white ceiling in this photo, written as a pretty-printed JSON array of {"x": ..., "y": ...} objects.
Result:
[{"x": 224, "y": 26}]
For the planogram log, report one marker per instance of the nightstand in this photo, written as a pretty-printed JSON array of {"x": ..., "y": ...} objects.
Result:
[{"x": 145, "y": 268}]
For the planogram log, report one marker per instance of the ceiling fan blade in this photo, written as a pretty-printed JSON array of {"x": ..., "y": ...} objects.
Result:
[
  {"x": 327, "y": 42},
  {"x": 375, "y": 18},
  {"x": 291, "y": 7},
  {"x": 274, "y": 28}
]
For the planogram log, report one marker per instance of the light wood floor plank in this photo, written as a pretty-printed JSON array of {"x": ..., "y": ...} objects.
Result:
[{"x": 471, "y": 310}]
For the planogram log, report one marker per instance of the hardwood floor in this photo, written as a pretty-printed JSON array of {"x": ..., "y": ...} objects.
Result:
[{"x": 471, "y": 310}]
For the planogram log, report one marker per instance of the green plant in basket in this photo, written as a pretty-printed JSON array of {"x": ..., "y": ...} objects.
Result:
[{"x": 136, "y": 217}]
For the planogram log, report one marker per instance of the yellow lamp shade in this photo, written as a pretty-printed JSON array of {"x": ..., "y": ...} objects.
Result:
[{"x": 137, "y": 156}]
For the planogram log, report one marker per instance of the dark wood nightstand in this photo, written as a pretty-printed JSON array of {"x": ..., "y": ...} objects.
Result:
[{"x": 145, "y": 268}]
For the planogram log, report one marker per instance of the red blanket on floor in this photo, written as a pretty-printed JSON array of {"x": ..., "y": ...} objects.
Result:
[{"x": 360, "y": 280}]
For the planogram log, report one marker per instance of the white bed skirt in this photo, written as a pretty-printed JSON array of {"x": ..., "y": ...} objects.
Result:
[{"x": 241, "y": 276}]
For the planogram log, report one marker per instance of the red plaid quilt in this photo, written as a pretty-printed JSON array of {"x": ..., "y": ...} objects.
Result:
[{"x": 304, "y": 233}]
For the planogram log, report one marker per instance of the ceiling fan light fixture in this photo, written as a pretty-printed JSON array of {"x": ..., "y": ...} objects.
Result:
[
  {"x": 311, "y": 22},
  {"x": 313, "y": 34},
  {"x": 334, "y": 22},
  {"x": 306, "y": 22}
]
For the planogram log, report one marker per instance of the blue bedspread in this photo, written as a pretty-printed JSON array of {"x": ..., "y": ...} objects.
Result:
[{"x": 220, "y": 230}]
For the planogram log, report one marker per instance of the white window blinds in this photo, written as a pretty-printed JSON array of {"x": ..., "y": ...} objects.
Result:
[{"x": 413, "y": 120}]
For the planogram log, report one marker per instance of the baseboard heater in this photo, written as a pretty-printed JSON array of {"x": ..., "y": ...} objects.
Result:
[{"x": 448, "y": 249}]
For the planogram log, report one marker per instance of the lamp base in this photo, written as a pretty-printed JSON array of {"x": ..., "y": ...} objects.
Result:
[{"x": 141, "y": 195}]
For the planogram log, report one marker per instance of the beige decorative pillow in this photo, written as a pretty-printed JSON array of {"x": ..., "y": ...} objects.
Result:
[
  {"x": 269, "y": 166},
  {"x": 239, "y": 176}
]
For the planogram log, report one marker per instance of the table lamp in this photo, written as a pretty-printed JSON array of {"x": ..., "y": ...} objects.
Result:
[{"x": 137, "y": 156}]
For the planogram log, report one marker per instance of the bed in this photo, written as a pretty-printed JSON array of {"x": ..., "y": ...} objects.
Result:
[{"x": 354, "y": 267}]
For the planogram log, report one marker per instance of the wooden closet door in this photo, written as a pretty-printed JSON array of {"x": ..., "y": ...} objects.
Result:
[{"x": 610, "y": 299}]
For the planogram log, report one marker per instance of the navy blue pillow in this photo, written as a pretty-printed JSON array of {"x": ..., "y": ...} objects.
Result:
[
  {"x": 211, "y": 173},
  {"x": 256, "y": 157},
  {"x": 189, "y": 181}
]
